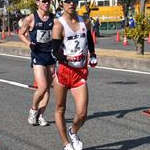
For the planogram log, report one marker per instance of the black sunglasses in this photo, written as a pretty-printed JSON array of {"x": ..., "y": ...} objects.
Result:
[
  {"x": 69, "y": 1},
  {"x": 45, "y": 1}
]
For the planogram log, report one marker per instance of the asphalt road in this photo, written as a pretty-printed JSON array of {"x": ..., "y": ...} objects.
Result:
[
  {"x": 109, "y": 42},
  {"x": 114, "y": 121}
]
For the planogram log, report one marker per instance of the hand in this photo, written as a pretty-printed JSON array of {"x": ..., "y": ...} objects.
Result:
[
  {"x": 93, "y": 60},
  {"x": 32, "y": 46}
]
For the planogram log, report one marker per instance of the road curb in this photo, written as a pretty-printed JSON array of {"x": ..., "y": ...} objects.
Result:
[
  {"x": 15, "y": 51},
  {"x": 103, "y": 61},
  {"x": 124, "y": 63}
]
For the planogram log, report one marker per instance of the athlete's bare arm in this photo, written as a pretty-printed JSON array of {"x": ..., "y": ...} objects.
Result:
[
  {"x": 58, "y": 34},
  {"x": 57, "y": 30},
  {"x": 87, "y": 23},
  {"x": 57, "y": 41},
  {"x": 91, "y": 46},
  {"x": 27, "y": 25}
]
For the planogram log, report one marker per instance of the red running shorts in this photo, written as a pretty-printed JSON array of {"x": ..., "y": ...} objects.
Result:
[{"x": 71, "y": 77}]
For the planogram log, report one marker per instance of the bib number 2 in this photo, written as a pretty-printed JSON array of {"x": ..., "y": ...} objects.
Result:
[{"x": 76, "y": 47}]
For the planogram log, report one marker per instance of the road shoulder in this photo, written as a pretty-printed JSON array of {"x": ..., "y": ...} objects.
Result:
[{"x": 106, "y": 58}]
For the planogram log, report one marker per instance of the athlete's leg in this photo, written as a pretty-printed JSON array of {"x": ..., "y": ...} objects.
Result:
[
  {"x": 80, "y": 95},
  {"x": 49, "y": 77},
  {"x": 60, "y": 96},
  {"x": 40, "y": 74}
]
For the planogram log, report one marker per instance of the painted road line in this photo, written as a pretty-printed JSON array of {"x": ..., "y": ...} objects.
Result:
[
  {"x": 15, "y": 56},
  {"x": 14, "y": 83},
  {"x": 107, "y": 68},
  {"x": 124, "y": 70}
]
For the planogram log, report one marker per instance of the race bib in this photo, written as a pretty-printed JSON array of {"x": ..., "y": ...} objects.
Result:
[{"x": 44, "y": 36}]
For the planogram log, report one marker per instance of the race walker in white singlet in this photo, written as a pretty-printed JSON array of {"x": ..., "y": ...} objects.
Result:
[{"x": 75, "y": 43}]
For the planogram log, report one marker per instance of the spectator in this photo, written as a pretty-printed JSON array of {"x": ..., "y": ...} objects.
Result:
[
  {"x": 59, "y": 11},
  {"x": 96, "y": 27},
  {"x": 131, "y": 22}
]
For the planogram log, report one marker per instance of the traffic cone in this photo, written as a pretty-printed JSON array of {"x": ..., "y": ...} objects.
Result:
[
  {"x": 146, "y": 112},
  {"x": 118, "y": 37},
  {"x": 34, "y": 86},
  {"x": 125, "y": 42},
  {"x": 3, "y": 34},
  {"x": 149, "y": 38}
]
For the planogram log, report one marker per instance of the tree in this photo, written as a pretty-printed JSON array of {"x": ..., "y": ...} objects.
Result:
[
  {"x": 139, "y": 32},
  {"x": 22, "y": 4},
  {"x": 142, "y": 9}
]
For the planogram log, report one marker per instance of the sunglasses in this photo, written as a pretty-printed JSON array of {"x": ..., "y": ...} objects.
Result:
[
  {"x": 69, "y": 1},
  {"x": 45, "y": 1}
]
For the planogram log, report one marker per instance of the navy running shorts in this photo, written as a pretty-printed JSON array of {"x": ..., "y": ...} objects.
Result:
[{"x": 42, "y": 58}]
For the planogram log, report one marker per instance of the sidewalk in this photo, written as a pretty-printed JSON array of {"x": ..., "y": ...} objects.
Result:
[{"x": 106, "y": 57}]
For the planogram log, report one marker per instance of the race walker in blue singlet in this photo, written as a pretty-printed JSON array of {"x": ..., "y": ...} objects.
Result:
[{"x": 41, "y": 37}]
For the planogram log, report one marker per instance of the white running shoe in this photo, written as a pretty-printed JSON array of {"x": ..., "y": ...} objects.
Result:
[
  {"x": 32, "y": 119},
  {"x": 68, "y": 147},
  {"x": 42, "y": 121},
  {"x": 77, "y": 144}
]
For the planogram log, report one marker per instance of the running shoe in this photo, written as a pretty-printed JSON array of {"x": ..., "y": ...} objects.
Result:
[
  {"x": 76, "y": 142},
  {"x": 68, "y": 147},
  {"x": 32, "y": 119},
  {"x": 42, "y": 121}
]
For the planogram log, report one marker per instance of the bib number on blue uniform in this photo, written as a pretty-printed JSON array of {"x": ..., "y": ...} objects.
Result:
[{"x": 44, "y": 36}]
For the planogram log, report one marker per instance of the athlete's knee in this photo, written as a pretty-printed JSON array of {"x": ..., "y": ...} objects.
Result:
[
  {"x": 60, "y": 109},
  {"x": 42, "y": 89},
  {"x": 82, "y": 116}
]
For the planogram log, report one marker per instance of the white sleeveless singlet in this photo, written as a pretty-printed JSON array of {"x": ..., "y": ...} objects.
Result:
[{"x": 75, "y": 43}]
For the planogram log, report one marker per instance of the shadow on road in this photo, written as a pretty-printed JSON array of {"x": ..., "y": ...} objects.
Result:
[
  {"x": 123, "y": 145},
  {"x": 117, "y": 113},
  {"x": 122, "y": 82}
]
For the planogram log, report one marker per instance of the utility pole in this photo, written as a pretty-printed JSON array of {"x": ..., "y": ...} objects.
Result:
[
  {"x": 3, "y": 22},
  {"x": 8, "y": 13},
  {"x": 142, "y": 8},
  {"x": 126, "y": 4}
]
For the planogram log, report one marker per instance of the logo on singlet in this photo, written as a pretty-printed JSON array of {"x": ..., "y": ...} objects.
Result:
[
  {"x": 50, "y": 24},
  {"x": 34, "y": 60},
  {"x": 40, "y": 24},
  {"x": 81, "y": 35}
]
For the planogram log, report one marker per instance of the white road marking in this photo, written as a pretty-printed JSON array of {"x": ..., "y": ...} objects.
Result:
[
  {"x": 16, "y": 56},
  {"x": 98, "y": 67},
  {"x": 14, "y": 83},
  {"x": 123, "y": 70}
]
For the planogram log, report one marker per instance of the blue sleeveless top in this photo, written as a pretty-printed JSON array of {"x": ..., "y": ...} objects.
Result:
[{"x": 41, "y": 33}]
